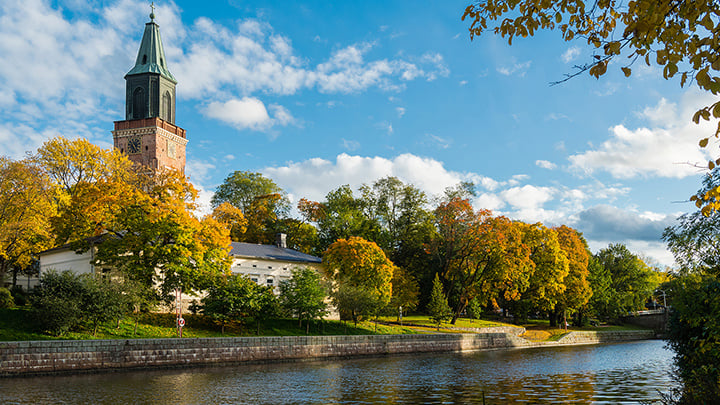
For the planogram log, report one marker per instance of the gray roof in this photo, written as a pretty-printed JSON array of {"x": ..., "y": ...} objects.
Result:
[{"x": 271, "y": 252}]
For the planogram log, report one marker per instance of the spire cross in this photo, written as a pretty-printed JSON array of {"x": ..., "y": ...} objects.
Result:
[{"x": 152, "y": 10}]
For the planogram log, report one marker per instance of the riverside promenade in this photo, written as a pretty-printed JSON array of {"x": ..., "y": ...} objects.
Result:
[{"x": 81, "y": 356}]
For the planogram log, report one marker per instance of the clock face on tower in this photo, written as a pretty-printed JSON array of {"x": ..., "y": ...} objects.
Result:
[{"x": 133, "y": 145}]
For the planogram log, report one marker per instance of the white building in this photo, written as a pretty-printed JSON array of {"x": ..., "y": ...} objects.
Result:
[{"x": 269, "y": 264}]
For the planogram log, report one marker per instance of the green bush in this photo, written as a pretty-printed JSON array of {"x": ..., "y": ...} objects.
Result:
[
  {"x": 6, "y": 299},
  {"x": 694, "y": 335},
  {"x": 19, "y": 296},
  {"x": 56, "y": 302}
]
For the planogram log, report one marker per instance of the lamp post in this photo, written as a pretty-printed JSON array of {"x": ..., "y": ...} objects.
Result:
[{"x": 664, "y": 301}]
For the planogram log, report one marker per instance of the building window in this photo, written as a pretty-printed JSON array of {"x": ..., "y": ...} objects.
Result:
[
  {"x": 138, "y": 103},
  {"x": 254, "y": 279},
  {"x": 167, "y": 107},
  {"x": 269, "y": 282},
  {"x": 254, "y": 265},
  {"x": 270, "y": 267}
]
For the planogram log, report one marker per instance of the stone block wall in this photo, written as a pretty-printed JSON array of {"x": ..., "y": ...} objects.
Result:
[{"x": 62, "y": 356}]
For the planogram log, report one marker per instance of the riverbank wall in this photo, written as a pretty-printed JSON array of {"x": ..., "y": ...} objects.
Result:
[{"x": 78, "y": 356}]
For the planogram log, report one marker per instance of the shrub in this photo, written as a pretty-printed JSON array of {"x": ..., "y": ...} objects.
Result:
[
  {"x": 19, "y": 296},
  {"x": 6, "y": 299},
  {"x": 57, "y": 302}
]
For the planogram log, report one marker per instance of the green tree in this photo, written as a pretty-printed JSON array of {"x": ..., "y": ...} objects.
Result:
[
  {"x": 102, "y": 300},
  {"x": 438, "y": 307},
  {"x": 341, "y": 216},
  {"x": 242, "y": 188},
  {"x": 57, "y": 301},
  {"x": 631, "y": 281},
  {"x": 303, "y": 295},
  {"x": 695, "y": 240},
  {"x": 694, "y": 336},
  {"x": 229, "y": 298}
]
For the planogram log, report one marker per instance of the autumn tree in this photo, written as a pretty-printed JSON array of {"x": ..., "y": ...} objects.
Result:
[
  {"x": 404, "y": 291},
  {"x": 356, "y": 263},
  {"x": 681, "y": 37},
  {"x": 233, "y": 219},
  {"x": 92, "y": 183},
  {"x": 577, "y": 286},
  {"x": 26, "y": 196},
  {"x": 546, "y": 283},
  {"x": 155, "y": 239},
  {"x": 480, "y": 255}
]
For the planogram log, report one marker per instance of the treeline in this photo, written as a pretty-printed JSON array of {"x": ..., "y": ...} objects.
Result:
[
  {"x": 382, "y": 248},
  {"x": 486, "y": 263}
]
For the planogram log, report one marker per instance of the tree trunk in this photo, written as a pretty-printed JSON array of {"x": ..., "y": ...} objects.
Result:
[
  {"x": 307, "y": 327},
  {"x": 258, "y": 327},
  {"x": 222, "y": 328},
  {"x": 136, "y": 324}
]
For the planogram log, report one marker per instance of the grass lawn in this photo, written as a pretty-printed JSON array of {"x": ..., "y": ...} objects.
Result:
[{"x": 16, "y": 324}]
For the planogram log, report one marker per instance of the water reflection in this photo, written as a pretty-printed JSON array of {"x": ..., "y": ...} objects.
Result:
[{"x": 619, "y": 373}]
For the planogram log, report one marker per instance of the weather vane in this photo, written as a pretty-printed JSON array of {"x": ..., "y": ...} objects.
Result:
[{"x": 152, "y": 11}]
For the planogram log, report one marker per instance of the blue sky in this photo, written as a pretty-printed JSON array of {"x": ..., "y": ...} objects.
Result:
[{"x": 317, "y": 94}]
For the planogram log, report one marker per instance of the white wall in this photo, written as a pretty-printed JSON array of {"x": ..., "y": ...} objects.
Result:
[{"x": 66, "y": 260}]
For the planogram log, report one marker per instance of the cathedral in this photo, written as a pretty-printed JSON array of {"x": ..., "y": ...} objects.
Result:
[{"x": 148, "y": 135}]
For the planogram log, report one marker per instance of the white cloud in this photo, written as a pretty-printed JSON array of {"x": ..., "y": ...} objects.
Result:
[
  {"x": 528, "y": 197},
  {"x": 350, "y": 145},
  {"x": 315, "y": 177},
  {"x": 438, "y": 142},
  {"x": 667, "y": 149},
  {"x": 545, "y": 164},
  {"x": 571, "y": 54},
  {"x": 248, "y": 113},
  {"x": 519, "y": 68},
  {"x": 400, "y": 111}
]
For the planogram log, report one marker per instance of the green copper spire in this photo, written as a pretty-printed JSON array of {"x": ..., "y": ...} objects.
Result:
[
  {"x": 151, "y": 56},
  {"x": 150, "y": 87}
]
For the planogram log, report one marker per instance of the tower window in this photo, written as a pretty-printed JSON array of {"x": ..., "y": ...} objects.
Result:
[
  {"x": 166, "y": 112},
  {"x": 161, "y": 62},
  {"x": 144, "y": 59},
  {"x": 138, "y": 103}
]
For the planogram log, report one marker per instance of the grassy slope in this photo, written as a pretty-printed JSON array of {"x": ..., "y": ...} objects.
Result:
[{"x": 15, "y": 325}]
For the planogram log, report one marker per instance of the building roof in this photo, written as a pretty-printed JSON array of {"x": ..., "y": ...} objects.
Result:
[
  {"x": 271, "y": 252},
  {"x": 151, "y": 56}
]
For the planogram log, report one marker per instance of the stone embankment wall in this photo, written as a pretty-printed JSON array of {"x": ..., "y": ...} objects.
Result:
[{"x": 62, "y": 356}]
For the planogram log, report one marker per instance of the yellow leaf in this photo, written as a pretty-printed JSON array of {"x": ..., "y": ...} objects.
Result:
[
  {"x": 627, "y": 71},
  {"x": 703, "y": 142}
]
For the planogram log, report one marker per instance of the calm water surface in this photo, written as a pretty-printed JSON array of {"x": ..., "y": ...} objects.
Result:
[{"x": 614, "y": 374}]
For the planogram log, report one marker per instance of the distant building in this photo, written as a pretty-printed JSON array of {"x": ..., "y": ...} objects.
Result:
[{"x": 269, "y": 264}]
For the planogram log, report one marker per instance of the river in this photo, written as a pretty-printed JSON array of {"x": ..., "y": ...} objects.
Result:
[{"x": 604, "y": 374}]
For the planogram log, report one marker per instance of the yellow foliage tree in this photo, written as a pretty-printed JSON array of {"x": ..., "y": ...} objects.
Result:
[
  {"x": 25, "y": 208},
  {"x": 358, "y": 263}
]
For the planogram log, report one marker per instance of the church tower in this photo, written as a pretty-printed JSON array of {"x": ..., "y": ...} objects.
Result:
[{"x": 148, "y": 135}]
